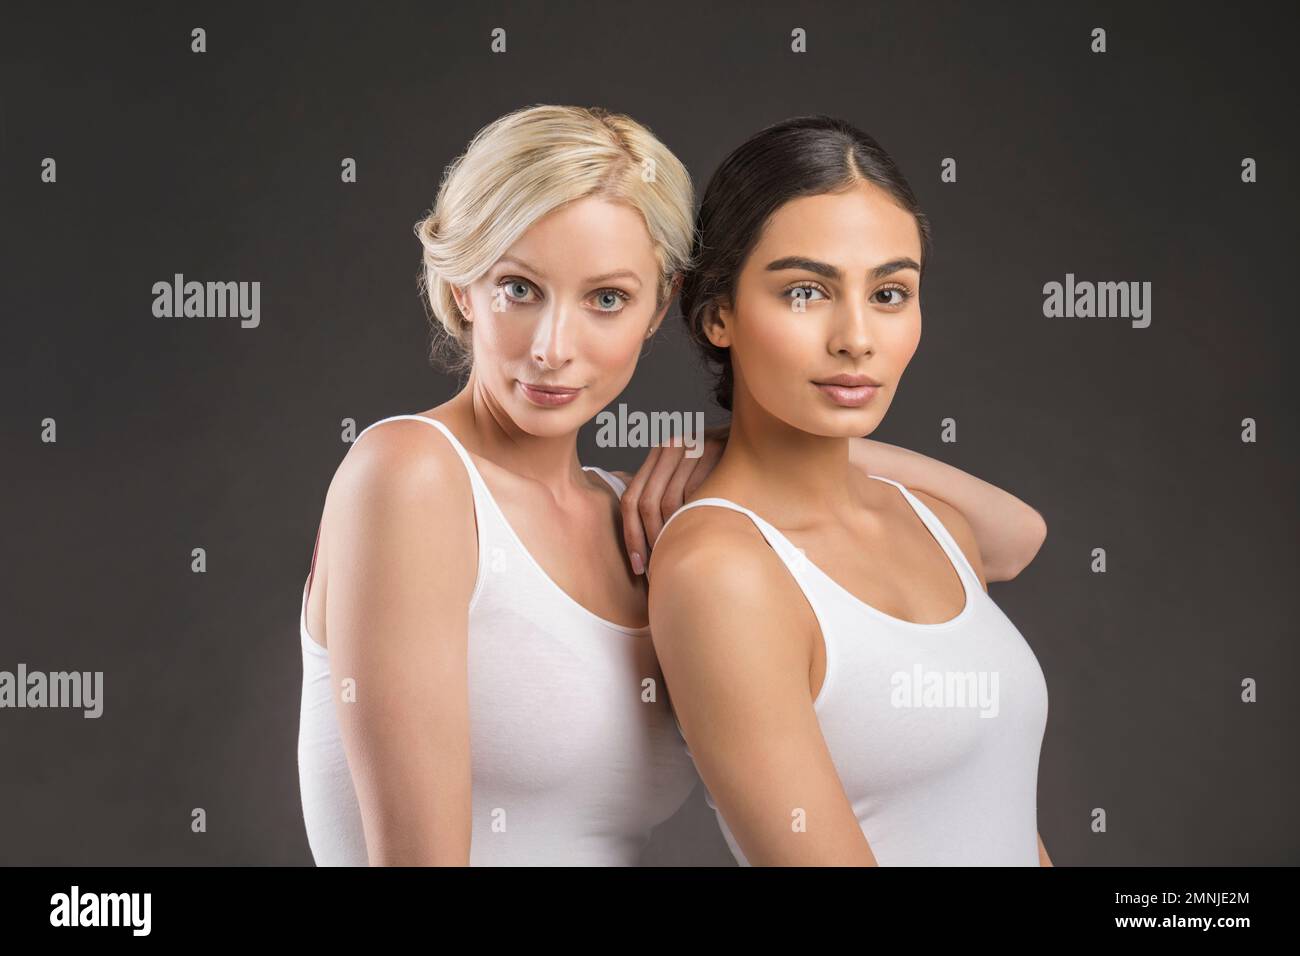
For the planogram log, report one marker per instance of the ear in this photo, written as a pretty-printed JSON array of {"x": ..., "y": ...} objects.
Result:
[
  {"x": 716, "y": 324},
  {"x": 462, "y": 301}
]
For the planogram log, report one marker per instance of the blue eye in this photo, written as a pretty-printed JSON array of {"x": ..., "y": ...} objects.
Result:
[
  {"x": 610, "y": 300},
  {"x": 515, "y": 289}
]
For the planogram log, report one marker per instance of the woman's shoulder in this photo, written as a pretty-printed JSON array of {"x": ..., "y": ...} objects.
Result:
[
  {"x": 399, "y": 499},
  {"x": 403, "y": 463},
  {"x": 715, "y": 548},
  {"x": 402, "y": 448},
  {"x": 718, "y": 586}
]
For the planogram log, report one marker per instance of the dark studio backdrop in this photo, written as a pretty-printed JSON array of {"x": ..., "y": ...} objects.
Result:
[{"x": 1167, "y": 159}]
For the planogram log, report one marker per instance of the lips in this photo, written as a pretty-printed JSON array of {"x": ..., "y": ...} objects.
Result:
[
  {"x": 548, "y": 396},
  {"x": 553, "y": 389},
  {"x": 849, "y": 381},
  {"x": 848, "y": 391}
]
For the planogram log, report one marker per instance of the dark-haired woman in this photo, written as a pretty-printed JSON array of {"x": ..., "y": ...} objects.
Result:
[{"x": 848, "y": 690}]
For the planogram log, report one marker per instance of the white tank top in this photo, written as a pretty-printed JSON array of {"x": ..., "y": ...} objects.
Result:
[
  {"x": 932, "y": 780},
  {"x": 574, "y": 752}
]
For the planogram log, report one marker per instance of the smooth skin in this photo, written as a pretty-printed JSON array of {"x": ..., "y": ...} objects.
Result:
[
  {"x": 1008, "y": 531},
  {"x": 574, "y": 303},
  {"x": 739, "y": 646},
  {"x": 571, "y": 304}
]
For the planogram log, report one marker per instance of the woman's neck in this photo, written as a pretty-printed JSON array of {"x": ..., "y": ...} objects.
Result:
[
  {"x": 791, "y": 476},
  {"x": 485, "y": 428}
]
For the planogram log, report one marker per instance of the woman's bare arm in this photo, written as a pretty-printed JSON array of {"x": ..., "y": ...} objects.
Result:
[
  {"x": 1008, "y": 531},
  {"x": 403, "y": 551},
  {"x": 726, "y": 621}
]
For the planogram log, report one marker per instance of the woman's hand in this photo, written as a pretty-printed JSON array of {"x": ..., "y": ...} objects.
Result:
[{"x": 661, "y": 485}]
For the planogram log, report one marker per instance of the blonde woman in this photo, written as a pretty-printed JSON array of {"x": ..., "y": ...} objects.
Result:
[{"x": 479, "y": 683}]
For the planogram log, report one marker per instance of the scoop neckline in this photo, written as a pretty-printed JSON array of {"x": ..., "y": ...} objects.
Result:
[
  {"x": 968, "y": 604},
  {"x": 938, "y": 534},
  {"x": 642, "y": 631}
]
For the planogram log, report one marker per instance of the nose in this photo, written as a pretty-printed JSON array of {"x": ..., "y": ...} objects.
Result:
[
  {"x": 851, "y": 331},
  {"x": 553, "y": 338}
]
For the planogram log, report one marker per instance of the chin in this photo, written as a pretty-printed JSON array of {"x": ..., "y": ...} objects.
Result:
[
  {"x": 846, "y": 423},
  {"x": 545, "y": 423},
  {"x": 858, "y": 429}
]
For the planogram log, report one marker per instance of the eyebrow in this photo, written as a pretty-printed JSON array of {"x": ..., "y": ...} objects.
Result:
[
  {"x": 831, "y": 272},
  {"x": 591, "y": 280}
]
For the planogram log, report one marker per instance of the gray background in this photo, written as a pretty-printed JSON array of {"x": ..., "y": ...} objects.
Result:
[{"x": 178, "y": 433}]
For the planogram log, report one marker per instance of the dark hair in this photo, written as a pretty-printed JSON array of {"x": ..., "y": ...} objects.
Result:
[{"x": 804, "y": 156}]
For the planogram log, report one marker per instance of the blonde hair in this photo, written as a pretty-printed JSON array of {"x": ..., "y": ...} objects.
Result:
[{"x": 526, "y": 164}]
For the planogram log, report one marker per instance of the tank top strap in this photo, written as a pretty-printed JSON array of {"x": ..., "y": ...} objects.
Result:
[
  {"x": 946, "y": 541},
  {"x": 612, "y": 480},
  {"x": 791, "y": 556},
  {"x": 475, "y": 478},
  {"x": 492, "y": 530},
  {"x": 782, "y": 545}
]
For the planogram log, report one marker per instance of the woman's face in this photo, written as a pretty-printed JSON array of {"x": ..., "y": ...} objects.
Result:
[
  {"x": 559, "y": 321},
  {"x": 827, "y": 303}
]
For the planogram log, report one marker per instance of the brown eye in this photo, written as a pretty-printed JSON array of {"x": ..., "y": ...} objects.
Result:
[
  {"x": 806, "y": 291},
  {"x": 902, "y": 292}
]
